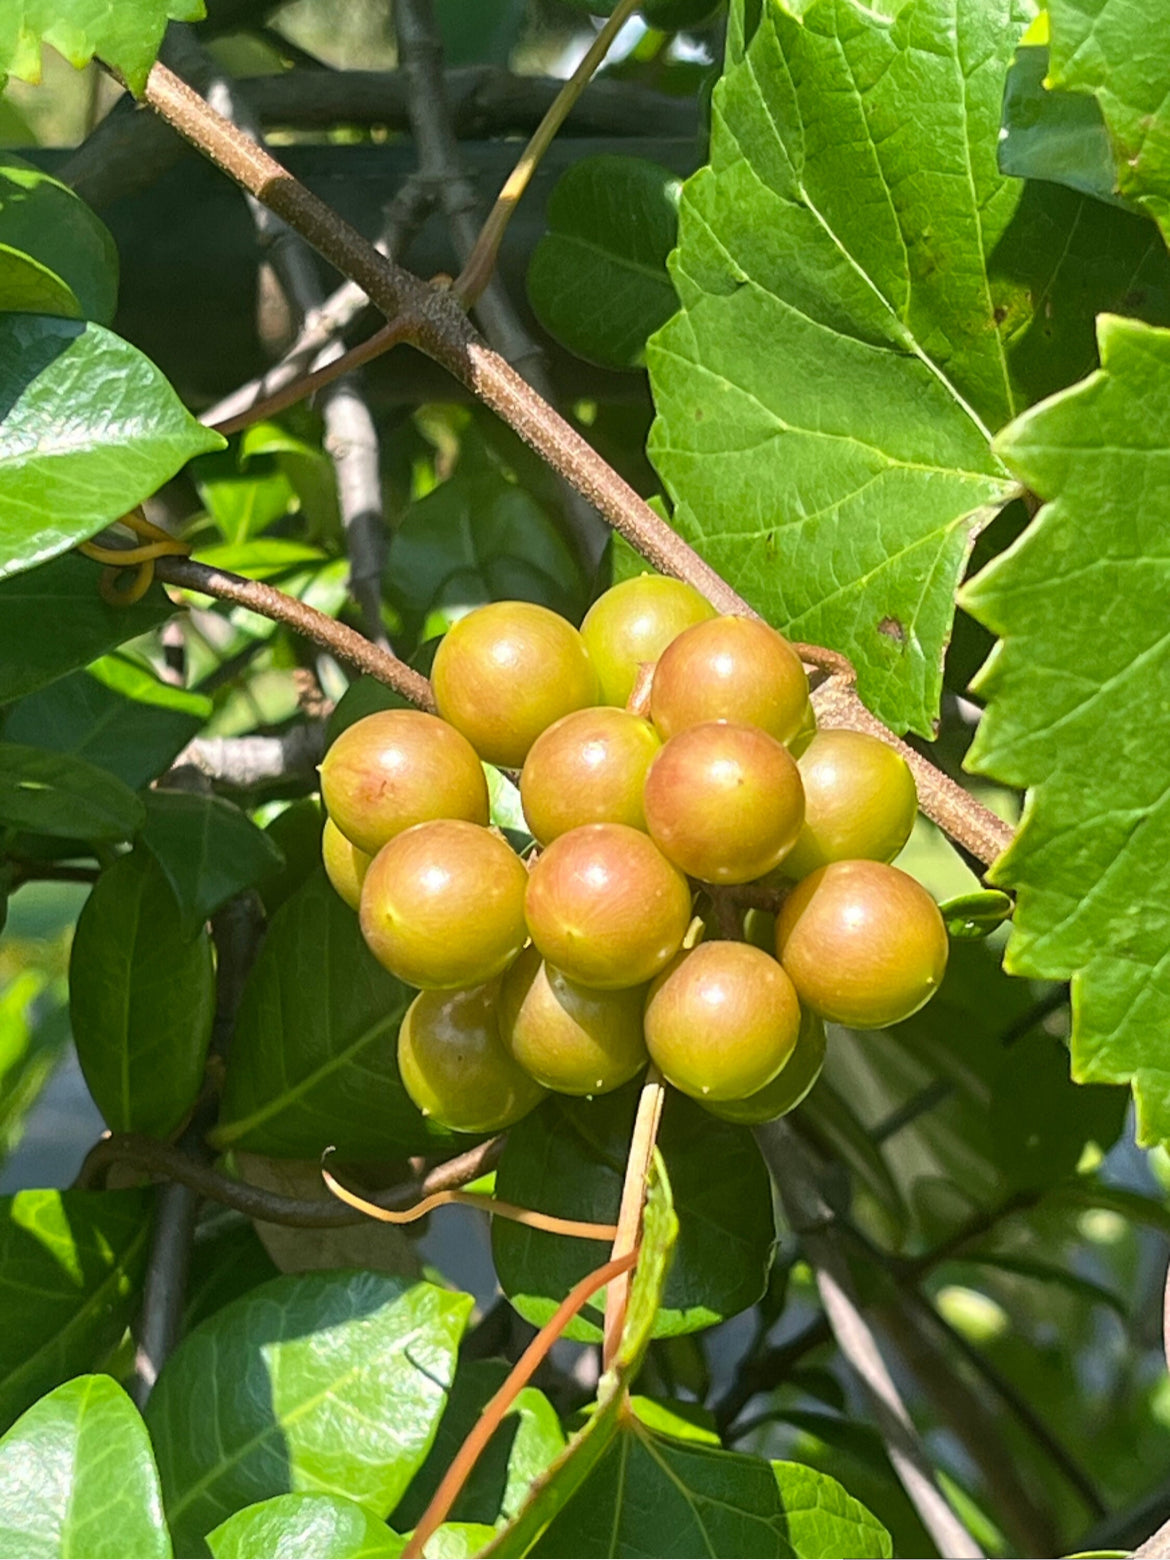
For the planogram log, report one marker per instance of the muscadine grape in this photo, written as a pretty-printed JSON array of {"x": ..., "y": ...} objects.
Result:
[
  {"x": 863, "y": 942},
  {"x": 632, "y": 624},
  {"x": 724, "y": 802},
  {"x": 456, "y": 1068},
  {"x": 732, "y": 668},
  {"x": 860, "y": 801},
  {"x": 345, "y": 865},
  {"x": 569, "y": 1037},
  {"x": 443, "y": 905},
  {"x": 589, "y": 767},
  {"x": 396, "y": 768},
  {"x": 505, "y": 672},
  {"x": 790, "y": 1085},
  {"x": 605, "y": 906},
  {"x": 721, "y": 1021}
]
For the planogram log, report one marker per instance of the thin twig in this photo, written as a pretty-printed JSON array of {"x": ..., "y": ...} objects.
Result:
[
  {"x": 325, "y": 631},
  {"x": 350, "y": 437},
  {"x": 166, "y": 1162},
  {"x": 480, "y": 264},
  {"x": 493, "y": 1413},
  {"x": 434, "y": 322},
  {"x": 629, "y": 1227},
  {"x": 808, "y": 1216},
  {"x": 242, "y": 763},
  {"x": 420, "y": 49}
]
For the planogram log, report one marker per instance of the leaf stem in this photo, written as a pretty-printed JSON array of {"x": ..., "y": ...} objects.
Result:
[
  {"x": 629, "y": 1225},
  {"x": 519, "y": 1376}
]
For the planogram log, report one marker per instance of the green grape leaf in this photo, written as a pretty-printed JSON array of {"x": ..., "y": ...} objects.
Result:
[
  {"x": 114, "y": 714},
  {"x": 208, "y": 850},
  {"x": 1120, "y": 52},
  {"x": 51, "y": 793},
  {"x": 125, "y": 35},
  {"x": 653, "y": 1495},
  {"x": 313, "y": 1060},
  {"x": 52, "y": 621},
  {"x": 568, "y": 1158},
  {"x": 1060, "y": 136},
  {"x": 554, "y": 1488},
  {"x": 227, "y": 1261},
  {"x": 83, "y": 1256},
  {"x": 861, "y": 307},
  {"x": 89, "y": 428},
  {"x": 56, "y": 256},
  {"x": 1041, "y": 1120},
  {"x": 78, "y": 1477},
  {"x": 141, "y": 999},
  {"x": 34, "y": 1035},
  {"x": 329, "y": 1383},
  {"x": 597, "y": 280},
  {"x": 328, "y": 1527},
  {"x": 521, "y": 1449},
  {"x": 1080, "y": 603}
]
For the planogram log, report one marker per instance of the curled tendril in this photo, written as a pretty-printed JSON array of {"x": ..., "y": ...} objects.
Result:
[{"x": 154, "y": 543}]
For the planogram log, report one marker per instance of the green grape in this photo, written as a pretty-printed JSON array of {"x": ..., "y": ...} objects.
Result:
[
  {"x": 732, "y": 668},
  {"x": 345, "y": 865},
  {"x": 863, "y": 943},
  {"x": 721, "y": 1021},
  {"x": 632, "y": 624},
  {"x": 396, "y": 768},
  {"x": 790, "y": 1085},
  {"x": 860, "y": 802},
  {"x": 570, "y": 1037},
  {"x": 724, "y": 802},
  {"x": 506, "y": 672},
  {"x": 442, "y": 905},
  {"x": 588, "y": 768},
  {"x": 456, "y": 1068},
  {"x": 606, "y": 907}
]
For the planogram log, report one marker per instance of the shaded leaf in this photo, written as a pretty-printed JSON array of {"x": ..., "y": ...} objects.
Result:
[
  {"x": 114, "y": 714},
  {"x": 71, "y": 1264},
  {"x": 1081, "y": 602},
  {"x": 313, "y": 1060},
  {"x": 1041, "y": 1120},
  {"x": 329, "y": 1383},
  {"x": 50, "y": 793},
  {"x": 1120, "y": 52},
  {"x": 88, "y": 428},
  {"x": 34, "y": 1033},
  {"x": 141, "y": 999},
  {"x": 597, "y": 280},
  {"x": 227, "y": 1261},
  {"x": 56, "y": 256},
  {"x": 521, "y": 1449},
  {"x": 208, "y": 850},
  {"x": 568, "y": 1157},
  {"x": 77, "y": 1478},
  {"x": 52, "y": 620},
  {"x": 1059, "y": 136},
  {"x": 328, "y": 1527},
  {"x": 125, "y": 35}
]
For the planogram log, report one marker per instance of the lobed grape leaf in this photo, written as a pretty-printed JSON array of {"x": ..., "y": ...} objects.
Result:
[
  {"x": 314, "y": 1061},
  {"x": 865, "y": 299},
  {"x": 324, "y": 1382},
  {"x": 1119, "y": 50},
  {"x": 125, "y": 33},
  {"x": 597, "y": 280},
  {"x": 78, "y": 1477},
  {"x": 71, "y": 1264},
  {"x": 141, "y": 999},
  {"x": 88, "y": 428},
  {"x": 1077, "y": 709}
]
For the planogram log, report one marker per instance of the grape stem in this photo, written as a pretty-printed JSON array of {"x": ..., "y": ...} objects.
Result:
[{"x": 432, "y": 319}]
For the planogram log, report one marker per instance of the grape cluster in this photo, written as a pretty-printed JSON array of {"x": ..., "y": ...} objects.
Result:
[{"x": 569, "y": 972}]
